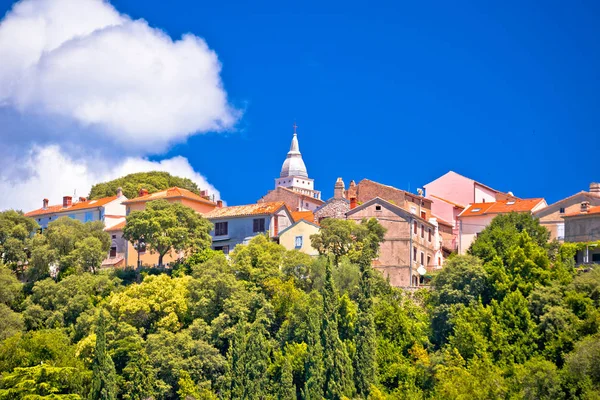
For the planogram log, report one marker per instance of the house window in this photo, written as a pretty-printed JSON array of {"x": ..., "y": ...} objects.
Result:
[
  {"x": 113, "y": 252},
  {"x": 596, "y": 258},
  {"x": 562, "y": 210},
  {"x": 224, "y": 249},
  {"x": 415, "y": 227},
  {"x": 298, "y": 242},
  {"x": 413, "y": 209},
  {"x": 422, "y": 231},
  {"x": 258, "y": 225},
  {"x": 114, "y": 236},
  {"x": 423, "y": 215},
  {"x": 428, "y": 260},
  {"x": 422, "y": 258},
  {"x": 377, "y": 208},
  {"x": 560, "y": 231},
  {"x": 221, "y": 228},
  {"x": 414, "y": 253},
  {"x": 429, "y": 233},
  {"x": 88, "y": 216},
  {"x": 439, "y": 261}
]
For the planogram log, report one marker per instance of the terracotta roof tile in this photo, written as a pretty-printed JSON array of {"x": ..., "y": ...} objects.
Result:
[
  {"x": 82, "y": 205},
  {"x": 500, "y": 207},
  {"x": 305, "y": 215},
  {"x": 246, "y": 210},
  {"x": 117, "y": 227},
  {"x": 591, "y": 211},
  {"x": 174, "y": 192}
]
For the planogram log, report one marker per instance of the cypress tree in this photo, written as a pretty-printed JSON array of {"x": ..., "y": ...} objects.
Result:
[
  {"x": 313, "y": 367},
  {"x": 337, "y": 365},
  {"x": 104, "y": 381},
  {"x": 364, "y": 363},
  {"x": 235, "y": 372},
  {"x": 256, "y": 361},
  {"x": 287, "y": 390}
]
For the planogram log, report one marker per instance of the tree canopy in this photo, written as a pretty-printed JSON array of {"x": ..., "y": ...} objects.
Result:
[
  {"x": 131, "y": 184},
  {"x": 508, "y": 321}
]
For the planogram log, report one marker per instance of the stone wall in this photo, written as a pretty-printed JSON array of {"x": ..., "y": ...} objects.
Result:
[
  {"x": 333, "y": 208},
  {"x": 294, "y": 201}
]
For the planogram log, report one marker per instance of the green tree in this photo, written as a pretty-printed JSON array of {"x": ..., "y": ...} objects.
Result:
[
  {"x": 15, "y": 230},
  {"x": 337, "y": 371},
  {"x": 42, "y": 382},
  {"x": 166, "y": 227},
  {"x": 104, "y": 378},
  {"x": 364, "y": 367},
  {"x": 313, "y": 366},
  {"x": 89, "y": 253},
  {"x": 153, "y": 181},
  {"x": 10, "y": 287},
  {"x": 10, "y": 322},
  {"x": 286, "y": 389}
]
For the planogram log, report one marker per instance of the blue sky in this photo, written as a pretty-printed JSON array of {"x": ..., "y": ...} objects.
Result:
[{"x": 397, "y": 92}]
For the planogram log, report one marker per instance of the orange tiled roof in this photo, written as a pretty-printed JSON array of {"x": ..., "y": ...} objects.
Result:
[
  {"x": 171, "y": 193},
  {"x": 591, "y": 210},
  {"x": 117, "y": 227},
  {"x": 305, "y": 215},
  {"x": 247, "y": 210},
  {"x": 82, "y": 205},
  {"x": 500, "y": 207}
]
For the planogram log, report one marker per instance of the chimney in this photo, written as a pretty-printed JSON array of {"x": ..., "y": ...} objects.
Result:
[
  {"x": 585, "y": 205},
  {"x": 119, "y": 191},
  {"x": 45, "y": 204},
  {"x": 143, "y": 192},
  {"x": 82, "y": 199},
  {"x": 220, "y": 203},
  {"x": 67, "y": 201},
  {"x": 352, "y": 203},
  {"x": 595, "y": 189},
  {"x": 338, "y": 189}
]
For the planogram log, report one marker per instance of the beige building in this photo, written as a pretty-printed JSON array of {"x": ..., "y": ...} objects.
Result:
[
  {"x": 173, "y": 195},
  {"x": 411, "y": 244},
  {"x": 297, "y": 237},
  {"x": 552, "y": 216},
  {"x": 584, "y": 226},
  {"x": 477, "y": 216}
]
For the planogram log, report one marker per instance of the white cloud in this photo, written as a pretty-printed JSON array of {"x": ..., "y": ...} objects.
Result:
[
  {"x": 47, "y": 172},
  {"x": 87, "y": 92},
  {"x": 119, "y": 78}
]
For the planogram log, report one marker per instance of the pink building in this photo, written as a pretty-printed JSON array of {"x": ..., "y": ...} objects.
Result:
[{"x": 452, "y": 193}]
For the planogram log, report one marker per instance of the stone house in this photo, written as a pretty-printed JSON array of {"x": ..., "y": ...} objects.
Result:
[
  {"x": 552, "y": 216},
  {"x": 584, "y": 226},
  {"x": 411, "y": 244},
  {"x": 239, "y": 224},
  {"x": 477, "y": 216},
  {"x": 335, "y": 207}
]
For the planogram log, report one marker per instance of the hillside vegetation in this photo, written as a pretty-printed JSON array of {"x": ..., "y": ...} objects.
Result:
[
  {"x": 514, "y": 319},
  {"x": 131, "y": 184}
]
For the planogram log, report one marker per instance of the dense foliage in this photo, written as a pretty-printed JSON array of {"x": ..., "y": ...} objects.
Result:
[
  {"x": 131, "y": 184},
  {"x": 514, "y": 319}
]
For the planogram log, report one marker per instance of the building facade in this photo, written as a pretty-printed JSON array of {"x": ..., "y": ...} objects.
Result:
[
  {"x": 583, "y": 226},
  {"x": 335, "y": 207},
  {"x": 411, "y": 245},
  {"x": 477, "y": 216},
  {"x": 239, "y": 224},
  {"x": 297, "y": 237},
  {"x": 109, "y": 210},
  {"x": 552, "y": 216}
]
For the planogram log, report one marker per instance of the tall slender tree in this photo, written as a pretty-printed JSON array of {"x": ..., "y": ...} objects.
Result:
[
  {"x": 104, "y": 381},
  {"x": 337, "y": 364},
  {"x": 364, "y": 362},
  {"x": 313, "y": 366},
  {"x": 286, "y": 389}
]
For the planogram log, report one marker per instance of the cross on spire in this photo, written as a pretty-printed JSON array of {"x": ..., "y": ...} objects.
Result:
[{"x": 295, "y": 126}]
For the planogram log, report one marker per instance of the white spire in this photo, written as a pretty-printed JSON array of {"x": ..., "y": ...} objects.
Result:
[{"x": 293, "y": 164}]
